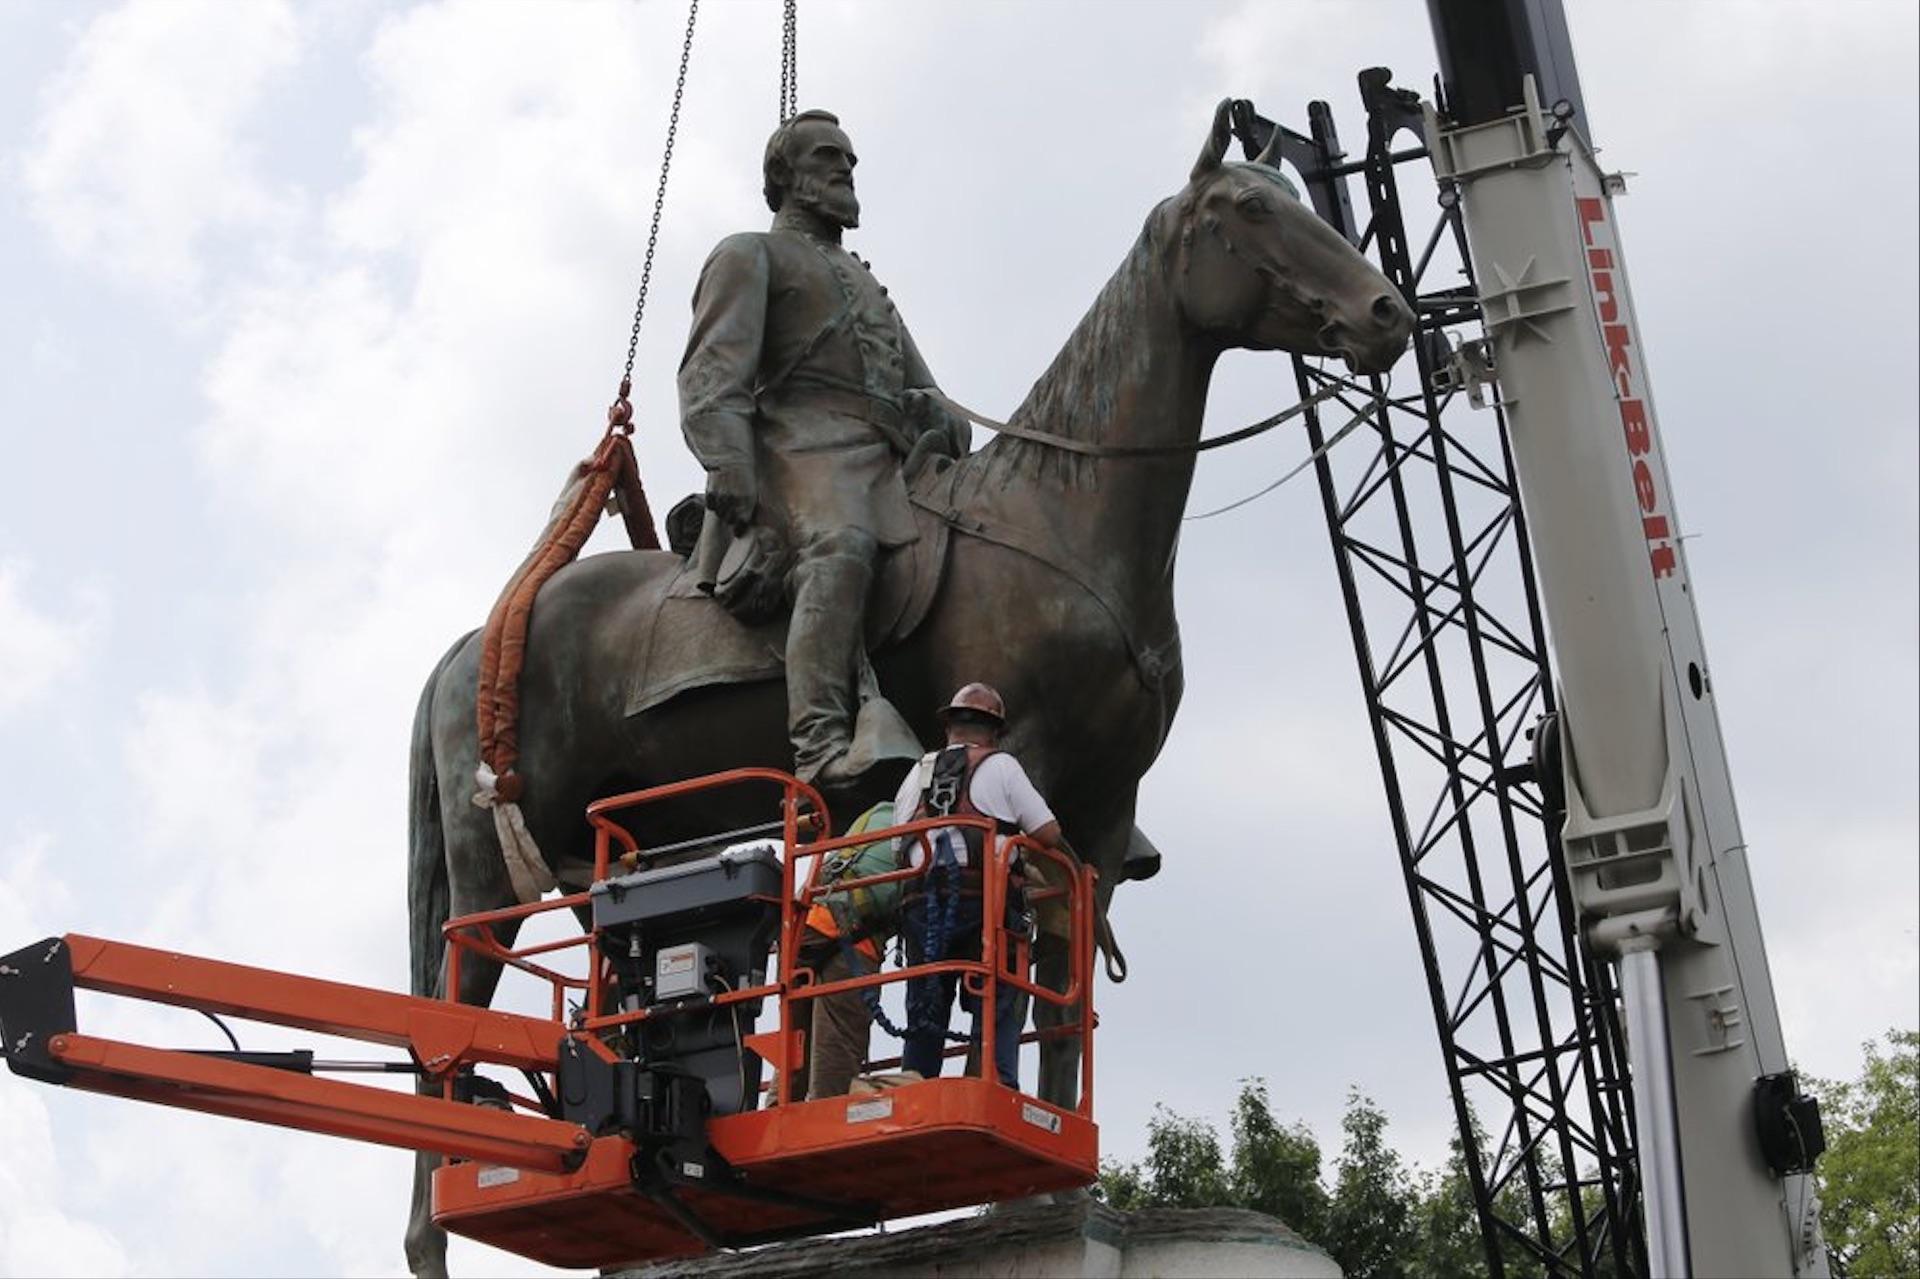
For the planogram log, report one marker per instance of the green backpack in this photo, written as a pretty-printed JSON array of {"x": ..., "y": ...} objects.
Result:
[{"x": 873, "y": 910}]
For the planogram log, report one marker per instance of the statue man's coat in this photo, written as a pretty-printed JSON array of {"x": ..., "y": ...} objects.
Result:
[{"x": 794, "y": 367}]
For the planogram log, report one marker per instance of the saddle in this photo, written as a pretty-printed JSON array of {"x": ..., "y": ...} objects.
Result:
[{"x": 689, "y": 641}]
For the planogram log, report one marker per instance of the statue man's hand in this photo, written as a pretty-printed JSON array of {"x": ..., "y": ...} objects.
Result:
[
  {"x": 927, "y": 414},
  {"x": 732, "y": 495}
]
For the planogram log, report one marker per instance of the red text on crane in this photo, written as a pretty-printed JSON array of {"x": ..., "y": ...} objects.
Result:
[{"x": 1614, "y": 331}]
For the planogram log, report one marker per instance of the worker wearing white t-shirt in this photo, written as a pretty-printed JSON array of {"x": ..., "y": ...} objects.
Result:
[{"x": 972, "y": 776}]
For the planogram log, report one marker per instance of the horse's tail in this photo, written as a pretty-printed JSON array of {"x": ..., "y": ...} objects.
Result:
[{"x": 429, "y": 899}]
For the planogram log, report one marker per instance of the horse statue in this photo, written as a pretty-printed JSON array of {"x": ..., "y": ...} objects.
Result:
[{"x": 1046, "y": 570}]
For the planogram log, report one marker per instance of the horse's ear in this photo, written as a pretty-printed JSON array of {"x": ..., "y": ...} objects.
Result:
[{"x": 1216, "y": 148}]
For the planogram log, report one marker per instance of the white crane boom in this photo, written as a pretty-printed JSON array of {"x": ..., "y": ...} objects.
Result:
[{"x": 1652, "y": 839}]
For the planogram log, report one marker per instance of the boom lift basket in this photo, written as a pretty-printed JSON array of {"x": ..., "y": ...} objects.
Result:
[{"x": 649, "y": 1136}]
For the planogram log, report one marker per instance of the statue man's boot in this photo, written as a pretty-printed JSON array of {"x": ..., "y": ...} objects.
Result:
[{"x": 846, "y": 737}]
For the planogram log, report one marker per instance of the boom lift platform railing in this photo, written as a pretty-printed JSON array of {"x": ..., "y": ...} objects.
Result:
[{"x": 646, "y": 1135}]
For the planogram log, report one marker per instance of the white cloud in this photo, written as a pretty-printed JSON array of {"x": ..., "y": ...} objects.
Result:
[
  {"x": 140, "y": 154},
  {"x": 45, "y": 1228},
  {"x": 39, "y": 648},
  {"x": 389, "y": 413},
  {"x": 444, "y": 359},
  {"x": 32, "y": 893},
  {"x": 453, "y": 134},
  {"x": 37, "y": 1237}
]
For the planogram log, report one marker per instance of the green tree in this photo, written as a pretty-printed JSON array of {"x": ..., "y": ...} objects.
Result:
[
  {"x": 1184, "y": 1168},
  {"x": 1514, "y": 1202},
  {"x": 1121, "y": 1186},
  {"x": 1273, "y": 1168},
  {"x": 1869, "y": 1179},
  {"x": 1446, "y": 1223},
  {"x": 1370, "y": 1219},
  {"x": 1276, "y": 1170}
]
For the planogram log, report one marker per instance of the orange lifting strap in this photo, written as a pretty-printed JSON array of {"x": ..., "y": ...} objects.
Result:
[{"x": 611, "y": 471}]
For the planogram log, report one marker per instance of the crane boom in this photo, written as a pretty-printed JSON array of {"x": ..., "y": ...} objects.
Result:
[{"x": 1652, "y": 839}]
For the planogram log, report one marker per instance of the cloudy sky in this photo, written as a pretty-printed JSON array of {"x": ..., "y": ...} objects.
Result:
[{"x": 307, "y": 309}]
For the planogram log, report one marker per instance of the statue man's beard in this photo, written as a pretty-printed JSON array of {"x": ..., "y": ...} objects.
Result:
[{"x": 838, "y": 204}]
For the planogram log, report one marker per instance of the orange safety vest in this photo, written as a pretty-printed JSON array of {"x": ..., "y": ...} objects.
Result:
[{"x": 820, "y": 920}]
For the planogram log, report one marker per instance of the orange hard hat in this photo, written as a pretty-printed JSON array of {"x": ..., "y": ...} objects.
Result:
[{"x": 978, "y": 698}]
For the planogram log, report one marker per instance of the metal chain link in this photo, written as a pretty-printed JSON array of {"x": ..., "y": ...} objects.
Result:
[
  {"x": 790, "y": 62},
  {"x": 620, "y": 416}
]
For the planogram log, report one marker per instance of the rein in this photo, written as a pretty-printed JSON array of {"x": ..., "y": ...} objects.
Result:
[
  {"x": 1327, "y": 392},
  {"x": 1087, "y": 449}
]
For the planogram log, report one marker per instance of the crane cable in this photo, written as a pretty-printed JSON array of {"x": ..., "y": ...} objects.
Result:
[
  {"x": 620, "y": 416},
  {"x": 789, "y": 62},
  {"x": 608, "y": 480}
]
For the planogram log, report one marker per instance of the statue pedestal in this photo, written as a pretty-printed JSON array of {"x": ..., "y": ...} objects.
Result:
[{"x": 1084, "y": 1240}]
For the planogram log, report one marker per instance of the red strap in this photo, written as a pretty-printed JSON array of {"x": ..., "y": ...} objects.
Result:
[{"x": 503, "y": 645}]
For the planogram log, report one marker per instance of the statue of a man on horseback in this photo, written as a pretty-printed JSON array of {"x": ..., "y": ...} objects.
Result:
[
  {"x": 1044, "y": 562},
  {"x": 804, "y": 397}
]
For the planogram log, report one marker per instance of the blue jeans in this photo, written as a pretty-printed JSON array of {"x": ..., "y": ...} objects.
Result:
[{"x": 930, "y": 998}]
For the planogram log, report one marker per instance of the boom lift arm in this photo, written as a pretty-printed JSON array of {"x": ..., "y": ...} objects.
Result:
[{"x": 647, "y": 1137}]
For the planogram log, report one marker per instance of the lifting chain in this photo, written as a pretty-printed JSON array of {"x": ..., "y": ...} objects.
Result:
[
  {"x": 789, "y": 62},
  {"x": 620, "y": 415}
]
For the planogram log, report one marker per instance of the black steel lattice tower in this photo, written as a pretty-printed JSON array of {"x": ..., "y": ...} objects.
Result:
[{"x": 1430, "y": 549}]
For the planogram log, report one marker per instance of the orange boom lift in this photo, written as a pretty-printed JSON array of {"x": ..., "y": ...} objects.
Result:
[{"x": 648, "y": 1135}]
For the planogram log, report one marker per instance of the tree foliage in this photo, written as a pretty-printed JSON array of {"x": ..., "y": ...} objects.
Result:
[
  {"x": 1184, "y": 1166},
  {"x": 1446, "y": 1222},
  {"x": 1275, "y": 1169},
  {"x": 1370, "y": 1220},
  {"x": 1380, "y": 1219},
  {"x": 1869, "y": 1179}
]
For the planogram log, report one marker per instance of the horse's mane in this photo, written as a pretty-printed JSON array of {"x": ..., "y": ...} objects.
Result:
[{"x": 1074, "y": 397}]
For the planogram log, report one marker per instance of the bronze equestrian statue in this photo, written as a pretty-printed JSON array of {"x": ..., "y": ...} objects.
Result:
[{"x": 1044, "y": 571}]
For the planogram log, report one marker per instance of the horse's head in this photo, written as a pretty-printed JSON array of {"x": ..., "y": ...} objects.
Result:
[{"x": 1257, "y": 268}]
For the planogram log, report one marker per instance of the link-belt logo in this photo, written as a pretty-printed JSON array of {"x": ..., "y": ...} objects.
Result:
[{"x": 1654, "y": 524}]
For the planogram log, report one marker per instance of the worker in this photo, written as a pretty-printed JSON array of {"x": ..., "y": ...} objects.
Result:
[
  {"x": 836, "y": 1028},
  {"x": 942, "y": 917}
]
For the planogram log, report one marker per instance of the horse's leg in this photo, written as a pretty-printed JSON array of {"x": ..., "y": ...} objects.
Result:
[
  {"x": 1060, "y": 1058},
  {"x": 456, "y": 869},
  {"x": 426, "y": 1243}
]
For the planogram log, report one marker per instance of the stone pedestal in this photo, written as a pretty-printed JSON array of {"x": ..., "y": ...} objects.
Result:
[{"x": 1083, "y": 1240}]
